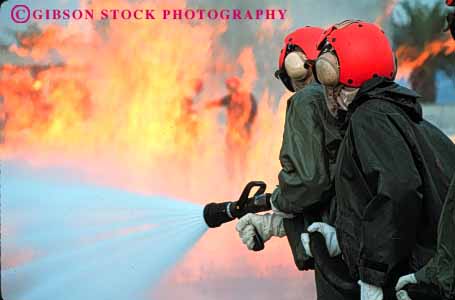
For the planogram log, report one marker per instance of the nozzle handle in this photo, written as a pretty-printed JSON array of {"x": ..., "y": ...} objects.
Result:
[
  {"x": 247, "y": 190},
  {"x": 258, "y": 242}
]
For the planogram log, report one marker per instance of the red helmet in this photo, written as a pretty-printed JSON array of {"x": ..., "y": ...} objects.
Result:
[
  {"x": 450, "y": 2},
  {"x": 305, "y": 39},
  {"x": 363, "y": 52}
]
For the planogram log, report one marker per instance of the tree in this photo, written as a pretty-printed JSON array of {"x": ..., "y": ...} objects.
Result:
[{"x": 420, "y": 25}]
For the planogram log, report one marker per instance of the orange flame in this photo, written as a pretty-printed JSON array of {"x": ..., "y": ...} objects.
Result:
[
  {"x": 410, "y": 58},
  {"x": 122, "y": 95},
  {"x": 117, "y": 107},
  {"x": 132, "y": 90}
]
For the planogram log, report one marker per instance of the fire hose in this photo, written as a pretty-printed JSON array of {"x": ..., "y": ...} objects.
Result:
[{"x": 333, "y": 269}]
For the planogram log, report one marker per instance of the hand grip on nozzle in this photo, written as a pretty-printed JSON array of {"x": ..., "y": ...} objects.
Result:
[
  {"x": 216, "y": 214},
  {"x": 258, "y": 242}
]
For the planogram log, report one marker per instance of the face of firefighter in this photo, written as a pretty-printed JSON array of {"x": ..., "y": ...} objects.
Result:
[
  {"x": 297, "y": 70},
  {"x": 338, "y": 96}
]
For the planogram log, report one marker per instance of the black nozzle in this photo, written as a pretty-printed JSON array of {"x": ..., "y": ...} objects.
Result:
[{"x": 216, "y": 214}]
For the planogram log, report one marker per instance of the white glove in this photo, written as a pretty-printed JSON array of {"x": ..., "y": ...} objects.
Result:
[
  {"x": 402, "y": 282},
  {"x": 267, "y": 225},
  {"x": 370, "y": 292},
  {"x": 403, "y": 295},
  {"x": 330, "y": 237}
]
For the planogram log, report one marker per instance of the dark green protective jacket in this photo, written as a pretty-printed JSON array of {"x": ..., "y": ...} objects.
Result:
[
  {"x": 440, "y": 271},
  {"x": 392, "y": 176},
  {"x": 308, "y": 154}
]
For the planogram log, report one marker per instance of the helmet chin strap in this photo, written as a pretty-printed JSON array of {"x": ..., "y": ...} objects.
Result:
[
  {"x": 339, "y": 98},
  {"x": 346, "y": 96},
  {"x": 330, "y": 99}
]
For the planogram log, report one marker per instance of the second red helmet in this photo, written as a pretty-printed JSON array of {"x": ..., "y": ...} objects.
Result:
[{"x": 362, "y": 49}]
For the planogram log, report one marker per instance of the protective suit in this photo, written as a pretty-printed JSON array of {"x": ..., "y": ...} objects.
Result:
[
  {"x": 308, "y": 154},
  {"x": 393, "y": 173},
  {"x": 393, "y": 168},
  {"x": 306, "y": 189}
]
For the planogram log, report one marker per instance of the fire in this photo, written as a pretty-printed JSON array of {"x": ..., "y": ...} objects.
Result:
[
  {"x": 120, "y": 93},
  {"x": 121, "y": 104},
  {"x": 410, "y": 58}
]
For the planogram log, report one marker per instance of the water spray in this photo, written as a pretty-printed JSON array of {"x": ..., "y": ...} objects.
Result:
[{"x": 64, "y": 236}]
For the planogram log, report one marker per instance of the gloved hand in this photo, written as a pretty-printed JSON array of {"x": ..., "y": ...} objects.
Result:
[
  {"x": 370, "y": 292},
  {"x": 330, "y": 237},
  {"x": 402, "y": 282},
  {"x": 267, "y": 225}
]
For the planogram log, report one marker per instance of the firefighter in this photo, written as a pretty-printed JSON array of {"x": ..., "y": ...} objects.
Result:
[
  {"x": 308, "y": 152},
  {"x": 241, "y": 112},
  {"x": 393, "y": 168}
]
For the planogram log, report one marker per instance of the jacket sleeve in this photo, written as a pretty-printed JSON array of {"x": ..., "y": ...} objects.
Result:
[
  {"x": 390, "y": 212},
  {"x": 304, "y": 177}
]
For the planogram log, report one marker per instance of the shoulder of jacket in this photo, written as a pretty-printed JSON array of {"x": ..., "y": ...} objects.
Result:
[
  {"x": 308, "y": 99},
  {"x": 311, "y": 92},
  {"x": 374, "y": 109}
]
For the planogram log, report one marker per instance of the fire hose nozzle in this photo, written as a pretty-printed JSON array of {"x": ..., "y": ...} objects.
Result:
[{"x": 216, "y": 214}]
